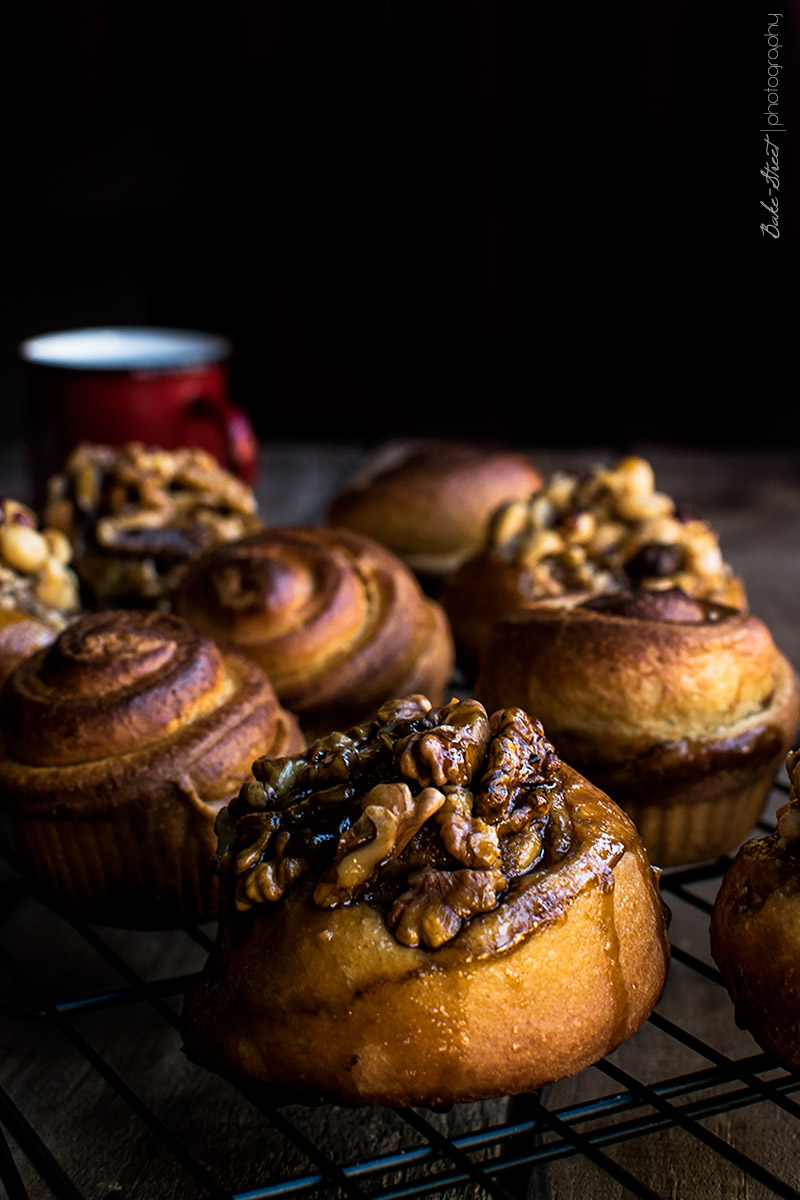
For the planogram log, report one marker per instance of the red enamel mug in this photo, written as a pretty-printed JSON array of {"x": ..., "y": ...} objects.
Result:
[{"x": 164, "y": 387}]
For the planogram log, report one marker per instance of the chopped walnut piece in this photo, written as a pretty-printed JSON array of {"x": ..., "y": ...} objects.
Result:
[
  {"x": 137, "y": 515},
  {"x": 265, "y": 868},
  {"x": 605, "y": 529},
  {"x": 436, "y": 905},
  {"x": 520, "y": 760},
  {"x": 269, "y": 879},
  {"x": 35, "y": 577},
  {"x": 467, "y": 838},
  {"x": 361, "y": 813},
  {"x": 452, "y": 752},
  {"x": 522, "y": 850},
  {"x": 390, "y": 818},
  {"x": 330, "y": 761}
]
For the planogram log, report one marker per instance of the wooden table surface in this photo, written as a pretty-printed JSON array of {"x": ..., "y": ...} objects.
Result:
[{"x": 122, "y": 1113}]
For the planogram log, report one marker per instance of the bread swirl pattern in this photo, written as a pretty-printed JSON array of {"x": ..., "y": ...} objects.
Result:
[
  {"x": 121, "y": 742},
  {"x": 338, "y": 623},
  {"x": 443, "y": 910}
]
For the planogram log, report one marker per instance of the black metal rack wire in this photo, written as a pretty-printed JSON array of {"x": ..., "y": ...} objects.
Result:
[{"x": 500, "y": 1149}]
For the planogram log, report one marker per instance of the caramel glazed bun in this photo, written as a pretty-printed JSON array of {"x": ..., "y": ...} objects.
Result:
[
  {"x": 755, "y": 932},
  {"x": 337, "y": 622},
  {"x": 120, "y": 744},
  {"x": 680, "y": 708},
  {"x": 428, "y": 909},
  {"x": 430, "y": 503},
  {"x": 580, "y": 535}
]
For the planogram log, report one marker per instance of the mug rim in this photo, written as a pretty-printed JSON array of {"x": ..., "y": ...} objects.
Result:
[{"x": 124, "y": 348}]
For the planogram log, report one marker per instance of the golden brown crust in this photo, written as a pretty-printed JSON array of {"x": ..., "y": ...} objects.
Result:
[
  {"x": 337, "y": 1002},
  {"x": 121, "y": 741},
  {"x": 579, "y": 536},
  {"x": 663, "y": 713},
  {"x": 430, "y": 503},
  {"x": 337, "y": 622},
  {"x": 755, "y": 934}
]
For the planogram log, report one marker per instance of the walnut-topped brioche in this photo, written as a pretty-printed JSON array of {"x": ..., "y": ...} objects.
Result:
[
  {"x": 482, "y": 791},
  {"x": 120, "y": 743},
  {"x": 680, "y": 707},
  {"x": 429, "y": 907},
  {"x": 137, "y": 515},
  {"x": 582, "y": 534},
  {"x": 430, "y": 502},
  {"x": 755, "y": 931},
  {"x": 335, "y": 619},
  {"x": 38, "y": 589}
]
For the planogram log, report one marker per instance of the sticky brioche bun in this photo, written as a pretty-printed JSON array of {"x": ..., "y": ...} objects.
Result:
[
  {"x": 580, "y": 535},
  {"x": 430, "y": 502},
  {"x": 338, "y": 623},
  {"x": 427, "y": 909},
  {"x": 681, "y": 708},
  {"x": 119, "y": 744}
]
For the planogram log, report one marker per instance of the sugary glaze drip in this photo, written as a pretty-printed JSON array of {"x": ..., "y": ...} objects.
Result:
[{"x": 447, "y": 821}]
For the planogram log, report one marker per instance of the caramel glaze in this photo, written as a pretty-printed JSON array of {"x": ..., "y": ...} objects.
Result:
[
  {"x": 229, "y": 1013},
  {"x": 601, "y": 835}
]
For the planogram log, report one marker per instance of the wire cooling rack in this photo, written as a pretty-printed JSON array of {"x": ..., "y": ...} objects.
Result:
[{"x": 98, "y": 1101}]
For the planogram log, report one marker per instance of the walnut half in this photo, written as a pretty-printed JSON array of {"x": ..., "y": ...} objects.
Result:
[
  {"x": 429, "y": 815},
  {"x": 391, "y": 816},
  {"x": 435, "y": 907}
]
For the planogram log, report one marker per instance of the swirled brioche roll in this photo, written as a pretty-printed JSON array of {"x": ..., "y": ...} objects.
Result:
[
  {"x": 338, "y": 622},
  {"x": 120, "y": 743},
  {"x": 429, "y": 908},
  {"x": 681, "y": 708},
  {"x": 430, "y": 503},
  {"x": 137, "y": 515},
  {"x": 581, "y": 535},
  {"x": 38, "y": 588},
  {"x": 755, "y": 932}
]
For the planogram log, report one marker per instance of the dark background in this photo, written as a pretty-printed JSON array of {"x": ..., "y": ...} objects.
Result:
[{"x": 459, "y": 218}]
